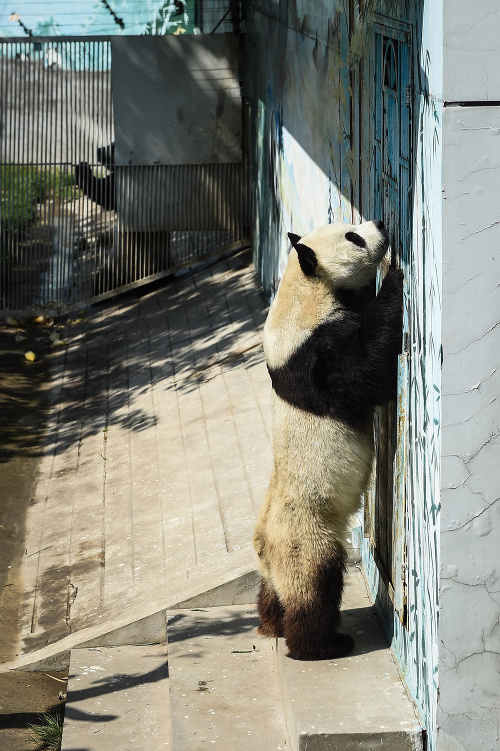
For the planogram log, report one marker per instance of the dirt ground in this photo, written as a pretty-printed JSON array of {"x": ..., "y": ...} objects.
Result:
[{"x": 23, "y": 402}]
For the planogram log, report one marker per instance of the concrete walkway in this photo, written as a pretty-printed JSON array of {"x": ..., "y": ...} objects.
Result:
[{"x": 158, "y": 453}]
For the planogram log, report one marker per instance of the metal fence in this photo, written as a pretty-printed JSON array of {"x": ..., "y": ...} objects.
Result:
[{"x": 73, "y": 226}]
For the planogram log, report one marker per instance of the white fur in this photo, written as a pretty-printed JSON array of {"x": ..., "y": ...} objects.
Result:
[
  {"x": 321, "y": 465},
  {"x": 302, "y": 303}
]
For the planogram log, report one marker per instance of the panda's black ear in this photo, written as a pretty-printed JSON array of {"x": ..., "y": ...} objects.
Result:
[
  {"x": 294, "y": 239},
  {"x": 307, "y": 259}
]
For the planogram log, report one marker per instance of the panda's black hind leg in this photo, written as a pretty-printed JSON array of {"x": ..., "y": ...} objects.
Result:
[
  {"x": 270, "y": 611},
  {"x": 307, "y": 639},
  {"x": 310, "y": 624}
]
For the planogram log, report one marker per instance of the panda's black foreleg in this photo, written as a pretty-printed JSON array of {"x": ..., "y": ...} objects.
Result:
[
  {"x": 270, "y": 611},
  {"x": 310, "y": 624},
  {"x": 381, "y": 334}
]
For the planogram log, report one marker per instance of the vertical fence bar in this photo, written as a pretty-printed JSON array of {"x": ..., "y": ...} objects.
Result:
[
  {"x": 49, "y": 156},
  {"x": 17, "y": 179},
  {"x": 16, "y": 171},
  {"x": 34, "y": 232},
  {"x": 89, "y": 267},
  {"x": 146, "y": 226},
  {"x": 15, "y": 175},
  {"x": 57, "y": 182},
  {"x": 44, "y": 158},
  {"x": 65, "y": 250},
  {"x": 36, "y": 239},
  {"x": 21, "y": 145},
  {"x": 70, "y": 160},
  {"x": 5, "y": 174}
]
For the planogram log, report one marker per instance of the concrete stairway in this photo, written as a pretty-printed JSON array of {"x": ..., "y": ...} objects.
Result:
[
  {"x": 223, "y": 682},
  {"x": 118, "y": 699},
  {"x": 225, "y": 687}
]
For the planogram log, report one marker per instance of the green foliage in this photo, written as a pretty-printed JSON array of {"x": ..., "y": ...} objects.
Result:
[
  {"x": 23, "y": 187},
  {"x": 48, "y": 733}
]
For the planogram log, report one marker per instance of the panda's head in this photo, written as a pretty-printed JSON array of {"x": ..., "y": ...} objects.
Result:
[{"x": 342, "y": 255}]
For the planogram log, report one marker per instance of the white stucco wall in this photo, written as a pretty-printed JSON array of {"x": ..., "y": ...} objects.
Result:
[
  {"x": 471, "y": 50},
  {"x": 449, "y": 650},
  {"x": 468, "y": 716},
  {"x": 469, "y": 626}
]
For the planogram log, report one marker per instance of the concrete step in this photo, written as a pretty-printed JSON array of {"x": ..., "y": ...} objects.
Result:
[
  {"x": 358, "y": 702},
  {"x": 232, "y": 689},
  {"x": 223, "y": 682},
  {"x": 231, "y": 579},
  {"x": 117, "y": 699}
]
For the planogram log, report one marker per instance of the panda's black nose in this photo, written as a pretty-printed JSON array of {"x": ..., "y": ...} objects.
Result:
[{"x": 379, "y": 225}]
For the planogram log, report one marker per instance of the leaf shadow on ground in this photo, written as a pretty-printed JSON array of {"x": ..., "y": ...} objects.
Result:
[{"x": 124, "y": 354}]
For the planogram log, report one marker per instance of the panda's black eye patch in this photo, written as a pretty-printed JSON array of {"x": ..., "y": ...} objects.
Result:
[{"x": 355, "y": 239}]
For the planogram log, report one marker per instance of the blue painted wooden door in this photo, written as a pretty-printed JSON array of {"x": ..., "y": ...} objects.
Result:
[{"x": 385, "y": 508}]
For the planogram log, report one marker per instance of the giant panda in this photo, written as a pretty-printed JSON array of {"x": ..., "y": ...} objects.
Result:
[
  {"x": 331, "y": 345},
  {"x": 101, "y": 190}
]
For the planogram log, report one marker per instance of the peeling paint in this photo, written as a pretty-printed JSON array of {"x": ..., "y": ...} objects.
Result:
[
  {"x": 321, "y": 171},
  {"x": 317, "y": 73}
]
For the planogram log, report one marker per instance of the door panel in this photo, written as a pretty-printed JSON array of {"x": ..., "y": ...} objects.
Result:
[{"x": 385, "y": 502}]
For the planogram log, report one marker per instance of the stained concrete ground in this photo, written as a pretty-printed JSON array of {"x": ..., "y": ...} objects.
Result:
[
  {"x": 23, "y": 401},
  {"x": 157, "y": 450}
]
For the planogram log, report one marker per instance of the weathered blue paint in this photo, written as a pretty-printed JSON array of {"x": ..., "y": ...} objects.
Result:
[
  {"x": 315, "y": 63},
  {"x": 416, "y": 643}
]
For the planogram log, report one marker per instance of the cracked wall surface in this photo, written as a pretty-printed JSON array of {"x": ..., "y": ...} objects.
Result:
[
  {"x": 469, "y": 624},
  {"x": 472, "y": 49},
  {"x": 312, "y": 165}
]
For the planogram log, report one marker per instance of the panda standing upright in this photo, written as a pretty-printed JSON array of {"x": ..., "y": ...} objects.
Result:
[{"x": 331, "y": 346}]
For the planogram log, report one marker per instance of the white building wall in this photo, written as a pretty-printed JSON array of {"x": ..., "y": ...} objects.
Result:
[
  {"x": 469, "y": 627},
  {"x": 471, "y": 50},
  {"x": 469, "y": 617}
]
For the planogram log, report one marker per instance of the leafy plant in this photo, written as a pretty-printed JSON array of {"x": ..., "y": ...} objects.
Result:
[
  {"x": 48, "y": 733},
  {"x": 24, "y": 186}
]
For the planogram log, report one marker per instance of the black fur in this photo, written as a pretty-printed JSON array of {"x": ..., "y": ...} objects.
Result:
[
  {"x": 348, "y": 364},
  {"x": 356, "y": 239},
  {"x": 307, "y": 259},
  {"x": 106, "y": 156},
  {"x": 356, "y": 301},
  {"x": 101, "y": 190},
  {"x": 294, "y": 239},
  {"x": 271, "y": 611},
  {"x": 310, "y": 622}
]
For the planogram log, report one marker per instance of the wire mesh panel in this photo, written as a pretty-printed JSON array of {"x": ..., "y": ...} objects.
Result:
[{"x": 73, "y": 225}]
